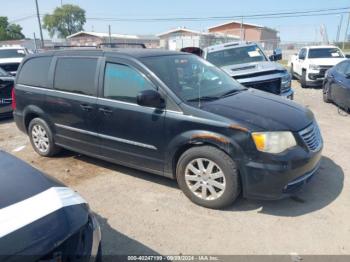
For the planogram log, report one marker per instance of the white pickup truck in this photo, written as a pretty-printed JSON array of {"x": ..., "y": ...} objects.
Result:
[{"x": 312, "y": 62}]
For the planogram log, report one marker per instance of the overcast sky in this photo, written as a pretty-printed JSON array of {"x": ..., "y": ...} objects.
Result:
[{"x": 291, "y": 29}]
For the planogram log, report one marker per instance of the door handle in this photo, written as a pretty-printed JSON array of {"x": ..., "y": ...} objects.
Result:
[
  {"x": 105, "y": 110},
  {"x": 86, "y": 107}
]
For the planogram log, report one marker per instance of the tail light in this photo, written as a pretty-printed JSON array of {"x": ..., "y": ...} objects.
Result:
[{"x": 13, "y": 95}]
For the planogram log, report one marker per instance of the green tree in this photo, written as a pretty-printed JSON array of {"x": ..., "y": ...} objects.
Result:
[
  {"x": 9, "y": 31},
  {"x": 65, "y": 20}
]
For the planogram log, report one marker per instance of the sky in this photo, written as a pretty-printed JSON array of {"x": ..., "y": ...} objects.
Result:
[{"x": 292, "y": 29}]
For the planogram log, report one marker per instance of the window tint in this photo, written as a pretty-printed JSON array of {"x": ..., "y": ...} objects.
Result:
[
  {"x": 302, "y": 54},
  {"x": 35, "y": 72},
  {"x": 124, "y": 83},
  {"x": 76, "y": 75},
  {"x": 325, "y": 53}
]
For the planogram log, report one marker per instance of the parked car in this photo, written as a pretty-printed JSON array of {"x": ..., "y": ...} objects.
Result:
[
  {"x": 11, "y": 57},
  {"x": 168, "y": 113},
  {"x": 312, "y": 62},
  {"x": 336, "y": 85},
  {"x": 6, "y": 85},
  {"x": 249, "y": 65},
  {"x": 41, "y": 219}
]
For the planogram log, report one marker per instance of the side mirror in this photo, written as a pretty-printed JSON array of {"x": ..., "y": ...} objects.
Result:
[
  {"x": 272, "y": 58},
  {"x": 347, "y": 55},
  {"x": 150, "y": 98}
]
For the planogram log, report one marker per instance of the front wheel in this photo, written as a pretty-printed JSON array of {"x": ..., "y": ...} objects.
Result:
[
  {"x": 208, "y": 177},
  {"x": 303, "y": 79},
  {"x": 326, "y": 93}
]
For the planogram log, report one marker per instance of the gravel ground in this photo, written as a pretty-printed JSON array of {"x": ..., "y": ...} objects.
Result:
[{"x": 142, "y": 213}]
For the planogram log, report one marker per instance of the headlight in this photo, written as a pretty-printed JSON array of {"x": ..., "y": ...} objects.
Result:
[
  {"x": 286, "y": 81},
  {"x": 314, "y": 67},
  {"x": 273, "y": 142}
]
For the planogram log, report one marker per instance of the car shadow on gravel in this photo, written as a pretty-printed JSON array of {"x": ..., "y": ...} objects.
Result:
[
  {"x": 323, "y": 189},
  {"x": 116, "y": 246}
]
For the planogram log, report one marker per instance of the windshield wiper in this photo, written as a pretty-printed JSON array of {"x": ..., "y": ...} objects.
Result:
[
  {"x": 232, "y": 92},
  {"x": 203, "y": 98}
]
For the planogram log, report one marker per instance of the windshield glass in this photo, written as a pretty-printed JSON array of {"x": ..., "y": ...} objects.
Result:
[
  {"x": 325, "y": 53},
  {"x": 191, "y": 77},
  {"x": 10, "y": 53},
  {"x": 238, "y": 55}
]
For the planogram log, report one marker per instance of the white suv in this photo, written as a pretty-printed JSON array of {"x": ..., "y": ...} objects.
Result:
[
  {"x": 312, "y": 62},
  {"x": 11, "y": 57}
]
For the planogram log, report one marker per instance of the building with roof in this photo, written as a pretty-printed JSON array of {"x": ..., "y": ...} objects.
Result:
[
  {"x": 267, "y": 37},
  {"x": 178, "y": 38},
  {"x": 84, "y": 38}
]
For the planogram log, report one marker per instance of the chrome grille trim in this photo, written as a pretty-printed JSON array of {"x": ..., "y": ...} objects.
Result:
[{"x": 311, "y": 136}]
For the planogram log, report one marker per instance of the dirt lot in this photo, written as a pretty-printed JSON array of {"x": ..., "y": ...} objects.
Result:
[{"x": 146, "y": 214}]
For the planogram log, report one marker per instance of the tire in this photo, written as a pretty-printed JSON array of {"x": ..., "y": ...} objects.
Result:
[
  {"x": 303, "y": 79},
  {"x": 292, "y": 71},
  {"x": 41, "y": 138},
  {"x": 326, "y": 93},
  {"x": 193, "y": 182}
]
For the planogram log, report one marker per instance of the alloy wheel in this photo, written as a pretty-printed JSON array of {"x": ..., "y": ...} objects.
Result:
[
  {"x": 205, "y": 179},
  {"x": 40, "y": 138}
]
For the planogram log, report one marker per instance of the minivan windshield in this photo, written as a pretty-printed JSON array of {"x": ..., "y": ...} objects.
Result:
[
  {"x": 192, "y": 78},
  {"x": 236, "y": 55},
  {"x": 10, "y": 53},
  {"x": 325, "y": 53}
]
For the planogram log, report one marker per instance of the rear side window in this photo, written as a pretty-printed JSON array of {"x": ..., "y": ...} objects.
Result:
[
  {"x": 76, "y": 75},
  {"x": 124, "y": 83},
  {"x": 35, "y": 72}
]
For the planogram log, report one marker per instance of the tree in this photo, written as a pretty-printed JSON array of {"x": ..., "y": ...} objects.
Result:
[
  {"x": 9, "y": 31},
  {"x": 65, "y": 20}
]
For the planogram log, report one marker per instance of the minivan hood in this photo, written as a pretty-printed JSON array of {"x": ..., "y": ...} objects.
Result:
[
  {"x": 251, "y": 68},
  {"x": 261, "y": 111},
  {"x": 20, "y": 189}
]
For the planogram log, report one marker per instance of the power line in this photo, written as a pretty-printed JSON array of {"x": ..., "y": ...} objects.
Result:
[{"x": 317, "y": 12}]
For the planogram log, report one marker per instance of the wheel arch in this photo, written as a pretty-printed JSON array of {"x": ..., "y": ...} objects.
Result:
[
  {"x": 187, "y": 140},
  {"x": 32, "y": 112}
]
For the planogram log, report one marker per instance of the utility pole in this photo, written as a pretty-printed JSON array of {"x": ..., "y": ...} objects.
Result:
[
  {"x": 39, "y": 22},
  {"x": 109, "y": 34},
  {"x": 339, "y": 28},
  {"x": 346, "y": 32},
  {"x": 241, "y": 32},
  {"x": 35, "y": 46}
]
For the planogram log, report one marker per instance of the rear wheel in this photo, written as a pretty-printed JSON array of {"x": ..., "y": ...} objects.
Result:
[
  {"x": 41, "y": 138},
  {"x": 208, "y": 177},
  {"x": 303, "y": 79}
]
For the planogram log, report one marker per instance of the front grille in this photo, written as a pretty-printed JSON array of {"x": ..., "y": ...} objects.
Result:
[
  {"x": 271, "y": 85},
  {"x": 312, "y": 137},
  {"x": 11, "y": 67}
]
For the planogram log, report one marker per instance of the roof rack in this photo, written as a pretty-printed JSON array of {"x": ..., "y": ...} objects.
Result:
[{"x": 121, "y": 45}]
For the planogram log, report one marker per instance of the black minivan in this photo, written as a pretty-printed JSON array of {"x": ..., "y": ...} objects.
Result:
[{"x": 168, "y": 113}]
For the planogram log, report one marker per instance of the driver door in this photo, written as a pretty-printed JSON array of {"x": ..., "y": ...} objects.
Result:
[{"x": 130, "y": 134}]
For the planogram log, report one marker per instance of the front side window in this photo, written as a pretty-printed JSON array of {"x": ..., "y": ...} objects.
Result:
[
  {"x": 325, "y": 53},
  {"x": 124, "y": 83},
  {"x": 238, "y": 55},
  {"x": 192, "y": 78},
  {"x": 76, "y": 75},
  {"x": 342, "y": 67}
]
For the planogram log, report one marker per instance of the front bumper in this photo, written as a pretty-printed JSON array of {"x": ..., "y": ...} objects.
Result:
[
  {"x": 289, "y": 94},
  {"x": 276, "y": 177}
]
